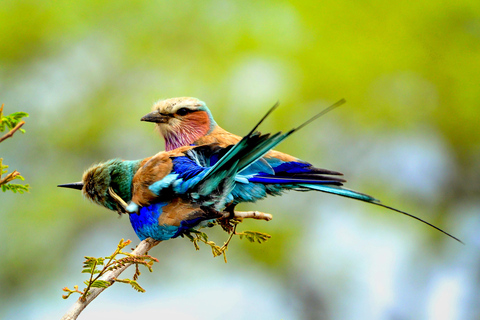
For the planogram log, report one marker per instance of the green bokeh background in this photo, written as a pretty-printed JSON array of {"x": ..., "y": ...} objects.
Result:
[{"x": 87, "y": 71}]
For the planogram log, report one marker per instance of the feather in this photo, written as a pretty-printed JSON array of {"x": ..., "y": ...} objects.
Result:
[{"x": 366, "y": 198}]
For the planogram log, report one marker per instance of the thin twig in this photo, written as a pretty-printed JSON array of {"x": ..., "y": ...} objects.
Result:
[
  {"x": 11, "y": 132},
  {"x": 110, "y": 276},
  {"x": 11, "y": 176},
  {"x": 225, "y": 245}
]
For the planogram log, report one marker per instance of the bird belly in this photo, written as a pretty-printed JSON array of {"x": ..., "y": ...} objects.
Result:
[{"x": 146, "y": 225}]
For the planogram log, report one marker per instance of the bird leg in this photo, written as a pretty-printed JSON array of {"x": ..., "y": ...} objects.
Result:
[{"x": 230, "y": 213}]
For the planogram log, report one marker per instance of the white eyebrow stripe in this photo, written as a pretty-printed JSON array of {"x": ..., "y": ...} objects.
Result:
[
  {"x": 187, "y": 106},
  {"x": 171, "y": 106}
]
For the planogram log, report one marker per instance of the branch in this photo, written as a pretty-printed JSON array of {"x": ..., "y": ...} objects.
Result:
[
  {"x": 11, "y": 132},
  {"x": 11, "y": 176},
  {"x": 142, "y": 249},
  {"x": 257, "y": 215}
]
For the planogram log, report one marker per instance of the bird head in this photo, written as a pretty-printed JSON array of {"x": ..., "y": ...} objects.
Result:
[
  {"x": 181, "y": 121},
  {"x": 108, "y": 184}
]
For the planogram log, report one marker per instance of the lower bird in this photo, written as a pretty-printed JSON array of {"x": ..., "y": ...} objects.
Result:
[{"x": 170, "y": 214}]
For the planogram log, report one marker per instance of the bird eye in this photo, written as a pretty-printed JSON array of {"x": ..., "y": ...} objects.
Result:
[{"x": 182, "y": 111}]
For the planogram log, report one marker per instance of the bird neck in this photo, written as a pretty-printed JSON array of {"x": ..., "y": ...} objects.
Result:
[
  {"x": 122, "y": 176},
  {"x": 197, "y": 125},
  {"x": 117, "y": 174}
]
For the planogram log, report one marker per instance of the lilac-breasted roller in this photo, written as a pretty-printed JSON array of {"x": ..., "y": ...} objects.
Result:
[{"x": 188, "y": 121}]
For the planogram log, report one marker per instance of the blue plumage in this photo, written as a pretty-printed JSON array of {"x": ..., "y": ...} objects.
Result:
[
  {"x": 291, "y": 167},
  {"x": 145, "y": 223},
  {"x": 186, "y": 168}
]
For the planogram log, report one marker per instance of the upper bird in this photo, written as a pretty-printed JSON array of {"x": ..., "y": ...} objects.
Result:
[{"x": 187, "y": 121}]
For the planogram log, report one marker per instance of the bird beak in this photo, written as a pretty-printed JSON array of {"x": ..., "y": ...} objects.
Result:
[
  {"x": 74, "y": 185},
  {"x": 156, "y": 117}
]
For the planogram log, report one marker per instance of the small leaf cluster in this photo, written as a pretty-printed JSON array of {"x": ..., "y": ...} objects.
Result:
[
  {"x": 4, "y": 182},
  {"x": 11, "y": 122},
  {"x": 254, "y": 236},
  {"x": 196, "y": 236},
  {"x": 97, "y": 267}
]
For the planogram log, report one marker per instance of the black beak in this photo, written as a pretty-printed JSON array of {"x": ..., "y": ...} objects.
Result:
[
  {"x": 156, "y": 117},
  {"x": 74, "y": 185}
]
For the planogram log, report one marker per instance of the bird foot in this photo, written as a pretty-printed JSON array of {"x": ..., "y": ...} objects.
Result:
[{"x": 252, "y": 215}]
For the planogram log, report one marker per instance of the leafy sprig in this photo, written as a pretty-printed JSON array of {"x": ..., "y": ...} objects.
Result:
[
  {"x": 101, "y": 269},
  {"x": 97, "y": 267},
  {"x": 254, "y": 236},
  {"x": 196, "y": 236},
  {"x": 4, "y": 182},
  {"x": 12, "y": 120},
  {"x": 14, "y": 123}
]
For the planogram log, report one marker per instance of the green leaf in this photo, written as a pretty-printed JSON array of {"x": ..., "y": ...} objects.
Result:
[
  {"x": 133, "y": 283},
  {"x": 136, "y": 286},
  {"x": 65, "y": 296},
  {"x": 18, "y": 115},
  {"x": 15, "y": 187},
  {"x": 90, "y": 262},
  {"x": 254, "y": 236},
  {"x": 12, "y": 120},
  {"x": 100, "y": 284},
  {"x": 89, "y": 270}
]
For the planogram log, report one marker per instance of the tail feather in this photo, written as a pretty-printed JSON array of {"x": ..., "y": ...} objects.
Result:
[
  {"x": 341, "y": 192},
  {"x": 252, "y": 147},
  {"x": 308, "y": 179},
  {"x": 366, "y": 198}
]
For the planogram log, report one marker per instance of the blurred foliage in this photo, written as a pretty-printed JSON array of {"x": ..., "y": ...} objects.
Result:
[
  {"x": 13, "y": 122},
  {"x": 87, "y": 71},
  {"x": 4, "y": 182}
]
